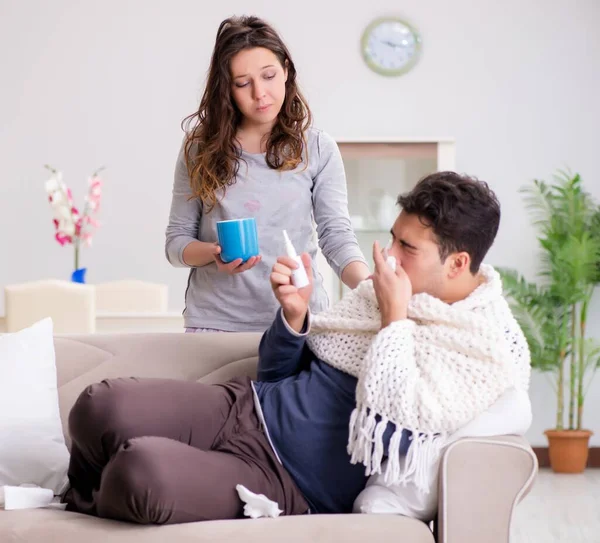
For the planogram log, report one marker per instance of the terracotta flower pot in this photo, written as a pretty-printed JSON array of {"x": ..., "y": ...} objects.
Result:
[{"x": 568, "y": 450}]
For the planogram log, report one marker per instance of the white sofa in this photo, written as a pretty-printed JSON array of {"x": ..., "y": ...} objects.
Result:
[{"x": 481, "y": 480}]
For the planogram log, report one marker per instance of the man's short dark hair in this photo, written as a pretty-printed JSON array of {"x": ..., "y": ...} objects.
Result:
[{"x": 462, "y": 211}]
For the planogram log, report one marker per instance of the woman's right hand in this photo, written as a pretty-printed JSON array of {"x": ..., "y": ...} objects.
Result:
[{"x": 235, "y": 266}]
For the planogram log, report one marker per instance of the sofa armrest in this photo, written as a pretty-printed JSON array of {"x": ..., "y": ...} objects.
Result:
[{"x": 481, "y": 482}]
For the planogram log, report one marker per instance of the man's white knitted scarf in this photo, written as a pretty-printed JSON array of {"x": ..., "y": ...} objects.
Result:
[{"x": 430, "y": 374}]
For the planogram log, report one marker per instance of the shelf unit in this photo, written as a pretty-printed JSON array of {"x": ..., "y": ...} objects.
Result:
[{"x": 377, "y": 171}]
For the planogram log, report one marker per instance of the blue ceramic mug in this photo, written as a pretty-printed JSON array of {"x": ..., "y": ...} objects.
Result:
[{"x": 238, "y": 238}]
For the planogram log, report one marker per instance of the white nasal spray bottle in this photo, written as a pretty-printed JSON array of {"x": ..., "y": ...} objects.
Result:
[{"x": 299, "y": 277}]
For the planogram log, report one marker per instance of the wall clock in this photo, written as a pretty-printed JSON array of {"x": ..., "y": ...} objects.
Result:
[{"x": 390, "y": 46}]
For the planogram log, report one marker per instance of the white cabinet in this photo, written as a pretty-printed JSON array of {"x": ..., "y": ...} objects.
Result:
[{"x": 377, "y": 172}]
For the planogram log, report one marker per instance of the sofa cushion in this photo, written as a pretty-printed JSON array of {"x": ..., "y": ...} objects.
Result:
[
  {"x": 32, "y": 448},
  {"x": 510, "y": 414},
  {"x": 86, "y": 359},
  {"x": 43, "y": 526}
]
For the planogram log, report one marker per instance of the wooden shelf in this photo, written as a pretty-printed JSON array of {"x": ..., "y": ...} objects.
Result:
[
  {"x": 356, "y": 150},
  {"x": 377, "y": 170}
]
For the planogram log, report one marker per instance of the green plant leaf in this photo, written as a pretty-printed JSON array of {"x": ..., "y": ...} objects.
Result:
[{"x": 568, "y": 222}]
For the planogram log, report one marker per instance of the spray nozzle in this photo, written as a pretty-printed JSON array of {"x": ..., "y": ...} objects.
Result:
[{"x": 289, "y": 248}]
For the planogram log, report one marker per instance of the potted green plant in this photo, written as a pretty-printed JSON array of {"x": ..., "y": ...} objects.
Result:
[{"x": 553, "y": 312}]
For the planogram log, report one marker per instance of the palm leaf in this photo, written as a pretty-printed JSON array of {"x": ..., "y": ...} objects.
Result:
[
  {"x": 592, "y": 360},
  {"x": 540, "y": 200},
  {"x": 539, "y": 317}
]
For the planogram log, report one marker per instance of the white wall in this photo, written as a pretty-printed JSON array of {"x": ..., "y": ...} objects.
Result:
[{"x": 85, "y": 84}]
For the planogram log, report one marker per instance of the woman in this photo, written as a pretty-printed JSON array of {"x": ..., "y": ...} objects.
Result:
[{"x": 250, "y": 151}]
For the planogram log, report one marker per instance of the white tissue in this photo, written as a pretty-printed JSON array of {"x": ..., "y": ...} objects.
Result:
[
  {"x": 391, "y": 262},
  {"x": 25, "y": 497},
  {"x": 257, "y": 505}
]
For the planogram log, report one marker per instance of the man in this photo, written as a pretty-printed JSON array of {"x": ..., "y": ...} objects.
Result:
[
  {"x": 439, "y": 240},
  {"x": 383, "y": 378}
]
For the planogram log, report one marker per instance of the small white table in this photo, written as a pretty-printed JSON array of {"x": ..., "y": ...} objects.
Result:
[{"x": 118, "y": 323}]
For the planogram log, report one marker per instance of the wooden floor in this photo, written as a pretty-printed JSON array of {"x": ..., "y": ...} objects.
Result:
[{"x": 560, "y": 508}]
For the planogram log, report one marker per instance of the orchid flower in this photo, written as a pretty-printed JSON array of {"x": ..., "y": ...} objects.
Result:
[{"x": 71, "y": 225}]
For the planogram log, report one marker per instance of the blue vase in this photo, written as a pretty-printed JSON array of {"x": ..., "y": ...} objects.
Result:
[{"x": 78, "y": 276}]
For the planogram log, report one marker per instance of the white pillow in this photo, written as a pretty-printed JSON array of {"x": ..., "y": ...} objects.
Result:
[
  {"x": 510, "y": 415},
  {"x": 32, "y": 446}
]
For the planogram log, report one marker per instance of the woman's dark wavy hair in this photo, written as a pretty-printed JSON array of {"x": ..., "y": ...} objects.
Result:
[{"x": 211, "y": 154}]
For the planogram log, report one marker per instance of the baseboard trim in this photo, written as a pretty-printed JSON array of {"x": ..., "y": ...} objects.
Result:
[{"x": 544, "y": 459}]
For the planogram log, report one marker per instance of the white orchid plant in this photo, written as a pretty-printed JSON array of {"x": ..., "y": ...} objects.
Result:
[{"x": 73, "y": 226}]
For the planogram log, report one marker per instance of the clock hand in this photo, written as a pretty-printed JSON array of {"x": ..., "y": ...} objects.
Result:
[{"x": 391, "y": 44}]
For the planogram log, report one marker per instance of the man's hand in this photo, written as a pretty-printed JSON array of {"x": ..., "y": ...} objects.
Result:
[
  {"x": 293, "y": 301},
  {"x": 392, "y": 288}
]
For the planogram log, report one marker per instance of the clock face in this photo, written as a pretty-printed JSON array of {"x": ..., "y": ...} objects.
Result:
[{"x": 390, "y": 46}]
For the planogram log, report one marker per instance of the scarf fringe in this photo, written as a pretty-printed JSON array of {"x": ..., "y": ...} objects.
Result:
[{"x": 365, "y": 445}]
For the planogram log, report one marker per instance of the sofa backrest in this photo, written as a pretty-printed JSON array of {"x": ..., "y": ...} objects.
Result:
[{"x": 208, "y": 357}]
